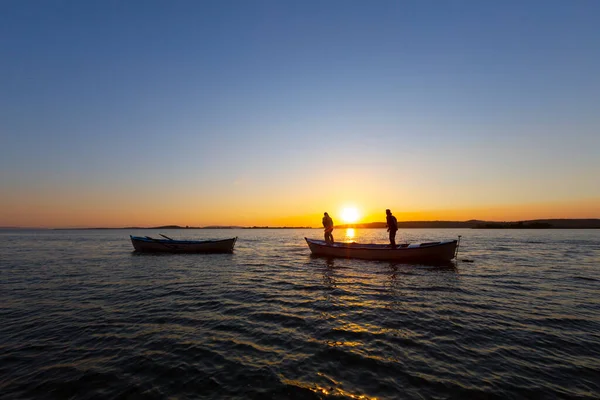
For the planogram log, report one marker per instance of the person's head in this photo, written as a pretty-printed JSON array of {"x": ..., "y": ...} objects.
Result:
[
  {"x": 325, "y": 214},
  {"x": 388, "y": 212}
]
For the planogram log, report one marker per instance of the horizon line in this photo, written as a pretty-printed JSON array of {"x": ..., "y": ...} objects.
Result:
[{"x": 347, "y": 225}]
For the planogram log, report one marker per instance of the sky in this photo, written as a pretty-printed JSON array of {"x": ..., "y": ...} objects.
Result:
[{"x": 241, "y": 112}]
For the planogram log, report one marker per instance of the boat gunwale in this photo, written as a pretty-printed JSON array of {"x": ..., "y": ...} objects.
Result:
[
  {"x": 148, "y": 239},
  {"x": 376, "y": 246},
  {"x": 150, "y": 245}
]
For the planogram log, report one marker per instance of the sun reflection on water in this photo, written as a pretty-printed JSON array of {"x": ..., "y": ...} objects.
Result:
[
  {"x": 332, "y": 389},
  {"x": 350, "y": 234}
]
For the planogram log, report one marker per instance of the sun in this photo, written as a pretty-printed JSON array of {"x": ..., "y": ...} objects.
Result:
[{"x": 350, "y": 215}]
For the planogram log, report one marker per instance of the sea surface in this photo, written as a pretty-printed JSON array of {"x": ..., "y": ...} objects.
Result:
[{"x": 84, "y": 317}]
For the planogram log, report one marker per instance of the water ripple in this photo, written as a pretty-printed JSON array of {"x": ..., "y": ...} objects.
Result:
[{"x": 84, "y": 317}]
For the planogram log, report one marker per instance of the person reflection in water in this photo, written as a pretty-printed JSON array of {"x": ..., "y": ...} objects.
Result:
[
  {"x": 392, "y": 227},
  {"x": 328, "y": 224}
]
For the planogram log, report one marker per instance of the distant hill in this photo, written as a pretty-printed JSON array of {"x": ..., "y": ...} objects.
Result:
[
  {"x": 591, "y": 223},
  {"x": 543, "y": 224}
]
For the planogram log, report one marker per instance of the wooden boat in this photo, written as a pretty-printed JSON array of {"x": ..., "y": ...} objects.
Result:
[
  {"x": 443, "y": 251},
  {"x": 147, "y": 244}
]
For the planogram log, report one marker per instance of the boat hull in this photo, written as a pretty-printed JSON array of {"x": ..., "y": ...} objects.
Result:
[
  {"x": 430, "y": 252},
  {"x": 147, "y": 244}
]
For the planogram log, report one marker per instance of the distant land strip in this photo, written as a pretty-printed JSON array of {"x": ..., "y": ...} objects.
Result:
[
  {"x": 221, "y": 227},
  {"x": 589, "y": 223}
]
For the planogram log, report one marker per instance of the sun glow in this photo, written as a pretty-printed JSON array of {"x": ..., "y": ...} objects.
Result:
[{"x": 350, "y": 215}]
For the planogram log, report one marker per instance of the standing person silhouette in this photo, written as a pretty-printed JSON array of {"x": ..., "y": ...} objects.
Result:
[
  {"x": 392, "y": 226},
  {"x": 328, "y": 224}
]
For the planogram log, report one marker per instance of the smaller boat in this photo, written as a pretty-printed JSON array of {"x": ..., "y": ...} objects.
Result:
[
  {"x": 442, "y": 251},
  {"x": 146, "y": 244}
]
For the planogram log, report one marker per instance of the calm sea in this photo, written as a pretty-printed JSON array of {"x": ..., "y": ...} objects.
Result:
[{"x": 83, "y": 317}]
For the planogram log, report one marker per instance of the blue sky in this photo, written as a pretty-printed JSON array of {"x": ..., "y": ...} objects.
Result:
[{"x": 429, "y": 104}]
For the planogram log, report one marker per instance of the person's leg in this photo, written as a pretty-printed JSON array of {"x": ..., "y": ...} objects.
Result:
[{"x": 393, "y": 238}]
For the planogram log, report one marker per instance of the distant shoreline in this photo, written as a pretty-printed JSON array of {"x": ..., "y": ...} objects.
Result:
[{"x": 589, "y": 223}]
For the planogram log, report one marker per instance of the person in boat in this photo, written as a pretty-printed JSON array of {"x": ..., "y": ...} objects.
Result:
[
  {"x": 328, "y": 225},
  {"x": 392, "y": 226}
]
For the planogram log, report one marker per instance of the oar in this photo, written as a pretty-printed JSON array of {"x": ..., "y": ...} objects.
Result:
[
  {"x": 159, "y": 241},
  {"x": 457, "y": 246},
  {"x": 165, "y": 236}
]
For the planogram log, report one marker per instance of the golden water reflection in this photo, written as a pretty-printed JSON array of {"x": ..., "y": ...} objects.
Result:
[
  {"x": 327, "y": 386},
  {"x": 350, "y": 233}
]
